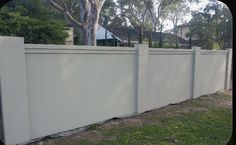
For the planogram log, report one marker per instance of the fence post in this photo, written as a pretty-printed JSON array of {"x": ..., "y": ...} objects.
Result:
[
  {"x": 228, "y": 70},
  {"x": 195, "y": 80},
  {"x": 142, "y": 72},
  {"x": 14, "y": 99}
]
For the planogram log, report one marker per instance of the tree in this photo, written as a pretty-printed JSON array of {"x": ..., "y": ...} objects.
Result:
[
  {"x": 3, "y": 2},
  {"x": 221, "y": 21},
  {"x": 33, "y": 21},
  {"x": 157, "y": 9},
  {"x": 83, "y": 14},
  {"x": 175, "y": 12},
  {"x": 200, "y": 29},
  {"x": 108, "y": 13},
  {"x": 212, "y": 27},
  {"x": 135, "y": 12}
]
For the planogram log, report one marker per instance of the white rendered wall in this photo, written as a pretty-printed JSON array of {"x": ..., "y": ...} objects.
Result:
[
  {"x": 47, "y": 89},
  {"x": 212, "y": 72},
  {"x": 14, "y": 98},
  {"x": 169, "y": 77},
  {"x": 68, "y": 91}
]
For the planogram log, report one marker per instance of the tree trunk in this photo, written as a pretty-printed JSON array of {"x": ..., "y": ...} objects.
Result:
[
  {"x": 129, "y": 39},
  {"x": 160, "y": 40},
  {"x": 89, "y": 34},
  {"x": 140, "y": 34},
  {"x": 90, "y": 16},
  {"x": 190, "y": 41},
  {"x": 150, "y": 39},
  {"x": 155, "y": 26},
  {"x": 89, "y": 11}
]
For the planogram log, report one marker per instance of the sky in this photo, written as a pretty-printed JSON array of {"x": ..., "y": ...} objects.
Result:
[{"x": 194, "y": 7}]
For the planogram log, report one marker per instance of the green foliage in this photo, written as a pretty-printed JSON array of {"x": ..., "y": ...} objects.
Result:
[
  {"x": 33, "y": 21},
  {"x": 32, "y": 8},
  {"x": 108, "y": 13},
  {"x": 212, "y": 27},
  {"x": 157, "y": 44},
  {"x": 135, "y": 13}
]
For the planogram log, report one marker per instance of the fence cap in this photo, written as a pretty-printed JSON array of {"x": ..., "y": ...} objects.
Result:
[
  {"x": 230, "y": 49},
  {"x": 137, "y": 45},
  {"x": 196, "y": 47}
]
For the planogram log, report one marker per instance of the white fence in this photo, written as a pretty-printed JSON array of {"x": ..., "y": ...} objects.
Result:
[{"x": 46, "y": 89}]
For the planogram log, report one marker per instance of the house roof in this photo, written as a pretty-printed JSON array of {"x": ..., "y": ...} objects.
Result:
[
  {"x": 101, "y": 31},
  {"x": 123, "y": 32}
]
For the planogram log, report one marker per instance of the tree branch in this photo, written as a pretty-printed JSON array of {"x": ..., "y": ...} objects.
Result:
[
  {"x": 87, "y": 8},
  {"x": 57, "y": 6},
  {"x": 73, "y": 20},
  {"x": 64, "y": 4},
  {"x": 154, "y": 18}
]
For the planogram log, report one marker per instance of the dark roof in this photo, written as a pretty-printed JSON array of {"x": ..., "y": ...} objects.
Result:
[{"x": 123, "y": 32}]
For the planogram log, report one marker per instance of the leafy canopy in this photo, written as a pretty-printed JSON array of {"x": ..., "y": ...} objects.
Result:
[
  {"x": 212, "y": 27},
  {"x": 32, "y": 20}
]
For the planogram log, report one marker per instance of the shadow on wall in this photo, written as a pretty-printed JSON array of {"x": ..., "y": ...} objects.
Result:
[{"x": 1, "y": 121}]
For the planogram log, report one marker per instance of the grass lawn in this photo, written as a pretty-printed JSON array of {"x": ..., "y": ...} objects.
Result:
[{"x": 203, "y": 121}]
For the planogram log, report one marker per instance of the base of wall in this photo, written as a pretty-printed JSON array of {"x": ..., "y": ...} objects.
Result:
[{"x": 84, "y": 128}]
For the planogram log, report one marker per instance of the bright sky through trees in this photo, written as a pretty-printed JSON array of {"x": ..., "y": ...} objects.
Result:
[{"x": 194, "y": 7}]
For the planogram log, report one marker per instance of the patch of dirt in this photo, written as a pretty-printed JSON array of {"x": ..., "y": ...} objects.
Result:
[
  {"x": 110, "y": 124},
  {"x": 226, "y": 100},
  {"x": 88, "y": 135},
  {"x": 132, "y": 121},
  {"x": 226, "y": 104},
  {"x": 91, "y": 135},
  {"x": 227, "y": 93}
]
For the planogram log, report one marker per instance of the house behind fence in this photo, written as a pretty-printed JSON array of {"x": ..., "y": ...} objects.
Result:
[{"x": 47, "y": 89}]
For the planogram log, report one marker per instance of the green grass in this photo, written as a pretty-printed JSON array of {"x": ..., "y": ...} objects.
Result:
[{"x": 209, "y": 127}]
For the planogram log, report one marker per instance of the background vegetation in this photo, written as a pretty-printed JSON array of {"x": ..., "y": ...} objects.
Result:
[
  {"x": 39, "y": 22},
  {"x": 33, "y": 20}
]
